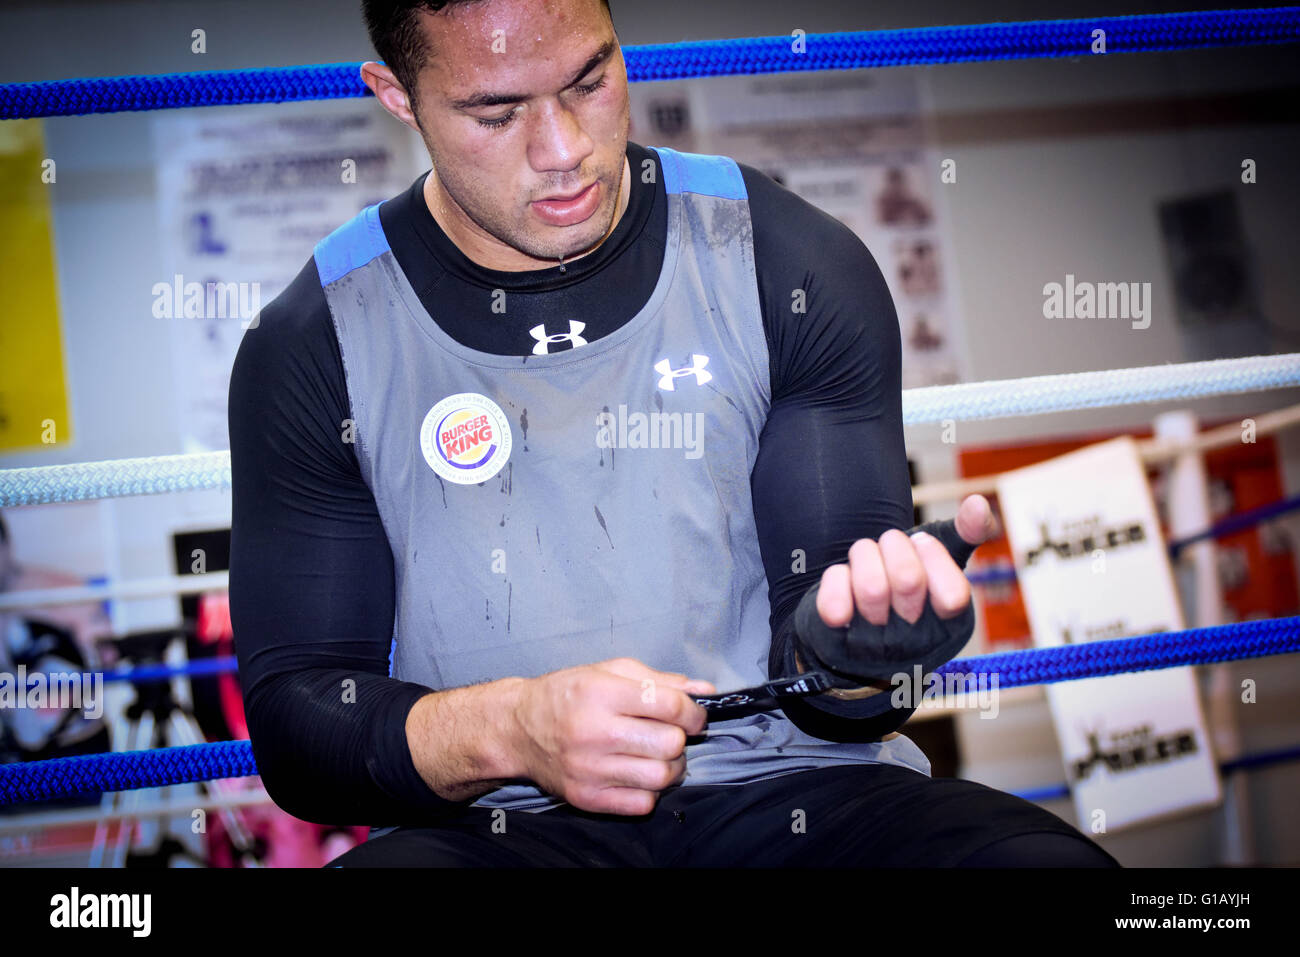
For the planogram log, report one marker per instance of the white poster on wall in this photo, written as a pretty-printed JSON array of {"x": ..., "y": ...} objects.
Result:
[
  {"x": 244, "y": 194},
  {"x": 1092, "y": 565},
  {"x": 854, "y": 144}
]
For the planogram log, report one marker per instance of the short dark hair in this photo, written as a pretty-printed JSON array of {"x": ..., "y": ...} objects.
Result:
[{"x": 394, "y": 28}]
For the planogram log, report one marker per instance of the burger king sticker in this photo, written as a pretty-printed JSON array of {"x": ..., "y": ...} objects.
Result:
[{"x": 466, "y": 438}]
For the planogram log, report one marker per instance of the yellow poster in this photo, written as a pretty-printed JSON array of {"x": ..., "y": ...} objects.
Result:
[{"x": 34, "y": 406}]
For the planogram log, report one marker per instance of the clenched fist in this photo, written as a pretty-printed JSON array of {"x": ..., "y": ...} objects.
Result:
[
  {"x": 607, "y": 737},
  {"x": 900, "y": 600}
]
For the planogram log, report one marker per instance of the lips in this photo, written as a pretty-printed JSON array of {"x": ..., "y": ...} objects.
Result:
[
  {"x": 568, "y": 210},
  {"x": 565, "y": 199}
]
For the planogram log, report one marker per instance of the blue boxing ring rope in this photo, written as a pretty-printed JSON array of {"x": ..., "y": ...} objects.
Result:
[
  {"x": 673, "y": 61},
  {"x": 129, "y": 770}
]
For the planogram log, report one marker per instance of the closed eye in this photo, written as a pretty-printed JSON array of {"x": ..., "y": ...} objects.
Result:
[
  {"x": 503, "y": 121},
  {"x": 593, "y": 87}
]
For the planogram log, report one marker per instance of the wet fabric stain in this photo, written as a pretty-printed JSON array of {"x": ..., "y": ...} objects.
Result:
[{"x": 601, "y": 518}]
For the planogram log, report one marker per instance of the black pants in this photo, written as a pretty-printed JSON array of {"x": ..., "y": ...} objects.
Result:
[{"x": 870, "y": 815}]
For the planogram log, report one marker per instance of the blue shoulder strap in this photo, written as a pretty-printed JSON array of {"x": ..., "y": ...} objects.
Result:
[
  {"x": 353, "y": 244},
  {"x": 697, "y": 173}
]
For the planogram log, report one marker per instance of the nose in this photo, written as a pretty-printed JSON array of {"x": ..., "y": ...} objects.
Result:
[{"x": 557, "y": 141}]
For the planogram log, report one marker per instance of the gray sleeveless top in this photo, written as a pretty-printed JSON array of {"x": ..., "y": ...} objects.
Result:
[{"x": 587, "y": 502}]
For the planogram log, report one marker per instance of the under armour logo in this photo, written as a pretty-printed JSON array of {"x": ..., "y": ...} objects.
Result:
[
  {"x": 667, "y": 373},
  {"x": 538, "y": 332}
]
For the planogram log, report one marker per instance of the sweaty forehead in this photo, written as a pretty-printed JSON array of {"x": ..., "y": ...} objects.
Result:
[{"x": 512, "y": 46}]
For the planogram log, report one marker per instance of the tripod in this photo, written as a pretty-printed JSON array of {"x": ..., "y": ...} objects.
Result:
[{"x": 155, "y": 718}]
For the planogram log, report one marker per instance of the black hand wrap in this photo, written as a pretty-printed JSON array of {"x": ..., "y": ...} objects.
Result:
[{"x": 869, "y": 652}]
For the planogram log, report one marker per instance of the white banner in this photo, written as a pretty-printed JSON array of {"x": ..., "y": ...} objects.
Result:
[
  {"x": 244, "y": 194},
  {"x": 1092, "y": 565},
  {"x": 854, "y": 143}
]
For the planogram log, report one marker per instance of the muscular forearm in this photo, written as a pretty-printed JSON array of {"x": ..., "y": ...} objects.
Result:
[
  {"x": 587, "y": 734},
  {"x": 332, "y": 747},
  {"x": 461, "y": 740}
]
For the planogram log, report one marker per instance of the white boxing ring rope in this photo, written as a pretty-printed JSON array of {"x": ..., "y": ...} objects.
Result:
[
  {"x": 992, "y": 399},
  {"x": 1152, "y": 451}
]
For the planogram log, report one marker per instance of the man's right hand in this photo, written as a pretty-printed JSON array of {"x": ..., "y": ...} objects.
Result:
[{"x": 606, "y": 737}]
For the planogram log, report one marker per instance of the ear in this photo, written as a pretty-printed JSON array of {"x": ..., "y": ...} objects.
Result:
[{"x": 389, "y": 92}]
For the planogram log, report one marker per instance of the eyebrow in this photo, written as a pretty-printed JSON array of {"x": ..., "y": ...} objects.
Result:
[{"x": 500, "y": 99}]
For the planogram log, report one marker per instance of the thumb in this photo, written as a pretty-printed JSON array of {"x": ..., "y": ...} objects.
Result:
[
  {"x": 639, "y": 671},
  {"x": 946, "y": 532},
  {"x": 975, "y": 515}
]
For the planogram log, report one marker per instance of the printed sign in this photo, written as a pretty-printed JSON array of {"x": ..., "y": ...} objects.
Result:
[{"x": 1093, "y": 565}]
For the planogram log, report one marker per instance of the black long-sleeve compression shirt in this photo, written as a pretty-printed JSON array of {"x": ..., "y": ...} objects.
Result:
[{"x": 312, "y": 577}]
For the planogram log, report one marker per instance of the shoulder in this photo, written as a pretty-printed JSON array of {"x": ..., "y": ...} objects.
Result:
[
  {"x": 827, "y": 309},
  {"x": 289, "y": 359},
  {"x": 293, "y": 326},
  {"x": 787, "y": 225}
]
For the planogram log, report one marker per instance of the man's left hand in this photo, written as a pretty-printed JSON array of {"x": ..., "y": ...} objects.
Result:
[
  {"x": 900, "y": 571},
  {"x": 889, "y": 583}
]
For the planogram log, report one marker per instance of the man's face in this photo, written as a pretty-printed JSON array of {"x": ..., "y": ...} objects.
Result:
[{"x": 524, "y": 108}]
